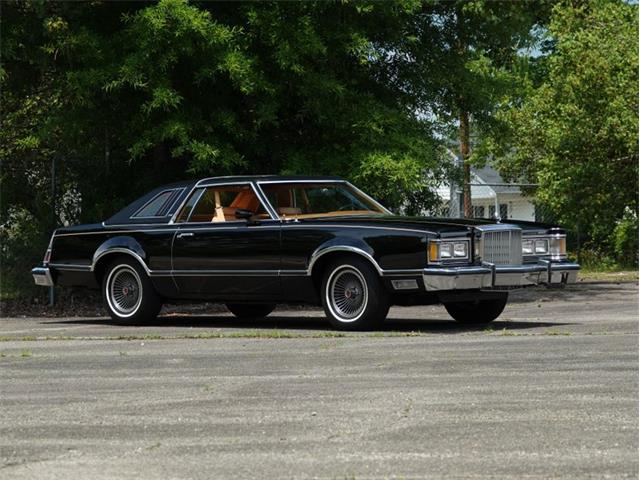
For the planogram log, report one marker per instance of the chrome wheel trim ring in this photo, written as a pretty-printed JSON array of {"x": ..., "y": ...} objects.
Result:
[
  {"x": 124, "y": 303},
  {"x": 347, "y": 308}
]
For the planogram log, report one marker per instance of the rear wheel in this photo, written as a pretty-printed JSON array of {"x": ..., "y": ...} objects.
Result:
[
  {"x": 353, "y": 296},
  {"x": 251, "y": 310},
  {"x": 477, "y": 312},
  {"x": 128, "y": 293}
]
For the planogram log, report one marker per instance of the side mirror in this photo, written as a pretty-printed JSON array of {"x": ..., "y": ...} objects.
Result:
[{"x": 244, "y": 214}]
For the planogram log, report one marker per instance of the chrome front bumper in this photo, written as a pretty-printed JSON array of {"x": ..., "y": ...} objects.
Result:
[
  {"x": 496, "y": 276},
  {"x": 42, "y": 276}
]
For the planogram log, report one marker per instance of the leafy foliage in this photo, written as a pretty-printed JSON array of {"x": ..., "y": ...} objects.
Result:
[
  {"x": 625, "y": 238},
  {"x": 575, "y": 132},
  {"x": 124, "y": 96}
]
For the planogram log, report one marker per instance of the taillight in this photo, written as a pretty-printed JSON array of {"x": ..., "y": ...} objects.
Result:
[{"x": 47, "y": 254}]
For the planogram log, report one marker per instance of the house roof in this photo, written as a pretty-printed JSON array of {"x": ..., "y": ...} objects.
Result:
[{"x": 491, "y": 177}]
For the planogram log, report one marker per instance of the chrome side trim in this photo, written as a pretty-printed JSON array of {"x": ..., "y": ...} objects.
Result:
[
  {"x": 301, "y": 180},
  {"x": 124, "y": 232},
  {"x": 341, "y": 248},
  {"x": 374, "y": 227},
  {"x": 119, "y": 250},
  {"x": 267, "y": 273},
  {"x": 70, "y": 266},
  {"x": 293, "y": 273},
  {"x": 218, "y": 273},
  {"x": 243, "y": 225}
]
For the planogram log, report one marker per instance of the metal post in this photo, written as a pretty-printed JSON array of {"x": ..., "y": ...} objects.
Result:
[{"x": 52, "y": 292}]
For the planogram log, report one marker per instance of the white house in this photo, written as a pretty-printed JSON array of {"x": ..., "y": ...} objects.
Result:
[{"x": 489, "y": 193}]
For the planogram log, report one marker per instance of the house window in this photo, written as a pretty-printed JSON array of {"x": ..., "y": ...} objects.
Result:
[
  {"x": 478, "y": 211},
  {"x": 504, "y": 211}
]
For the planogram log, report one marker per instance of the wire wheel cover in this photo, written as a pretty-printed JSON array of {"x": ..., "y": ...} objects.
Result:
[
  {"x": 348, "y": 293},
  {"x": 124, "y": 290}
]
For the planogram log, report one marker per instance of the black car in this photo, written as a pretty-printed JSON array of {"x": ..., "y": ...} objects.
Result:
[{"x": 251, "y": 242}]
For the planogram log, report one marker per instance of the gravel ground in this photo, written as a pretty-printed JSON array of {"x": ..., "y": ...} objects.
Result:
[{"x": 550, "y": 390}]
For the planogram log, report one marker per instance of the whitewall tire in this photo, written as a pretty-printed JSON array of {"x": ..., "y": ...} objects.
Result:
[{"x": 353, "y": 295}]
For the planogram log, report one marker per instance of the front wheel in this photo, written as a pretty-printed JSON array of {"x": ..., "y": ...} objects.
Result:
[
  {"x": 477, "y": 312},
  {"x": 128, "y": 293},
  {"x": 353, "y": 296},
  {"x": 251, "y": 310}
]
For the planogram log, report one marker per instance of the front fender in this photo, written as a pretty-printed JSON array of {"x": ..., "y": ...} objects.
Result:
[{"x": 347, "y": 245}]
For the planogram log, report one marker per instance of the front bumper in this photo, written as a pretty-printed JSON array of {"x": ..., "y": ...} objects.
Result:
[
  {"x": 500, "y": 276},
  {"x": 42, "y": 276}
]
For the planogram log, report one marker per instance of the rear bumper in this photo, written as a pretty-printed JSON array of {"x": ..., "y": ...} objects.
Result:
[
  {"x": 500, "y": 276},
  {"x": 42, "y": 276}
]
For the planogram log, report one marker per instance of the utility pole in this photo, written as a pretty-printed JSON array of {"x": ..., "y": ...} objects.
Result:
[
  {"x": 466, "y": 168},
  {"x": 454, "y": 189}
]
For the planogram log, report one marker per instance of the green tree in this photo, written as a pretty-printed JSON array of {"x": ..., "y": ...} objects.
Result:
[
  {"x": 575, "y": 129},
  {"x": 126, "y": 96},
  {"x": 466, "y": 58}
]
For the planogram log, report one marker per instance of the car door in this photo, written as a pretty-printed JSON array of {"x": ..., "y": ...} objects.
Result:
[{"x": 218, "y": 256}]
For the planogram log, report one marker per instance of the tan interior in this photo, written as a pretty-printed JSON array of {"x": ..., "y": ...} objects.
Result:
[
  {"x": 245, "y": 199},
  {"x": 289, "y": 211}
]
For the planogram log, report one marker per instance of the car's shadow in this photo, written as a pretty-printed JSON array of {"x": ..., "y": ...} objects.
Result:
[{"x": 312, "y": 322}]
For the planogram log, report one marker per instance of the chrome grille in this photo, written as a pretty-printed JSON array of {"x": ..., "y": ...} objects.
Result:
[{"x": 502, "y": 246}]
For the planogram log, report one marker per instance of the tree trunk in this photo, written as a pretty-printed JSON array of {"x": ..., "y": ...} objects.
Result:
[{"x": 466, "y": 168}]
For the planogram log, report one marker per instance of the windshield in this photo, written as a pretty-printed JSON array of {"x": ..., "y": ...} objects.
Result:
[{"x": 306, "y": 200}]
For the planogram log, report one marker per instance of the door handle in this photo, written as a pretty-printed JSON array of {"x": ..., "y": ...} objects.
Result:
[{"x": 187, "y": 234}]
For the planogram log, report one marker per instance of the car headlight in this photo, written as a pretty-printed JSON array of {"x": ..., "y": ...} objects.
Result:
[
  {"x": 542, "y": 247},
  {"x": 450, "y": 250},
  {"x": 550, "y": 245},
  {"x": 460, "y": 250}
]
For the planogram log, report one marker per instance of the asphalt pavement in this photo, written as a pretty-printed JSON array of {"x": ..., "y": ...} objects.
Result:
[{"x": 550, "y": 390}]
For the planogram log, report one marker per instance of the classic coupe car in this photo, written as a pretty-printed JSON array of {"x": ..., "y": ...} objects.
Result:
[{"x": 252, "y": 242}]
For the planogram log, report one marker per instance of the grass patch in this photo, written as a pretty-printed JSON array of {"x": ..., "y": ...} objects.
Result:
[
  {"x": 257, "y": 334},
  {"x": 556, "y": 332},
  {"x": 608, "y": 276}
]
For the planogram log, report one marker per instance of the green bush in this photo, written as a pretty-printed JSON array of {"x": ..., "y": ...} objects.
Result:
[
  {"x": 22, "y": 246},
  {"x": 595, "y": 259},
  {"x": 625, "y": 238}
]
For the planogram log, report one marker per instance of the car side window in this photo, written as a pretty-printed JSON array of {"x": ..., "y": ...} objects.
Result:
[
  {"x": 183, "y": 216},
  {"x": 219, "y": 204},
  {"x": 159, "y": 205}
]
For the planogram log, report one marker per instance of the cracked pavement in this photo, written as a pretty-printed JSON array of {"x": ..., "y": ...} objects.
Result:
[{"x": 549, "y": 390}]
